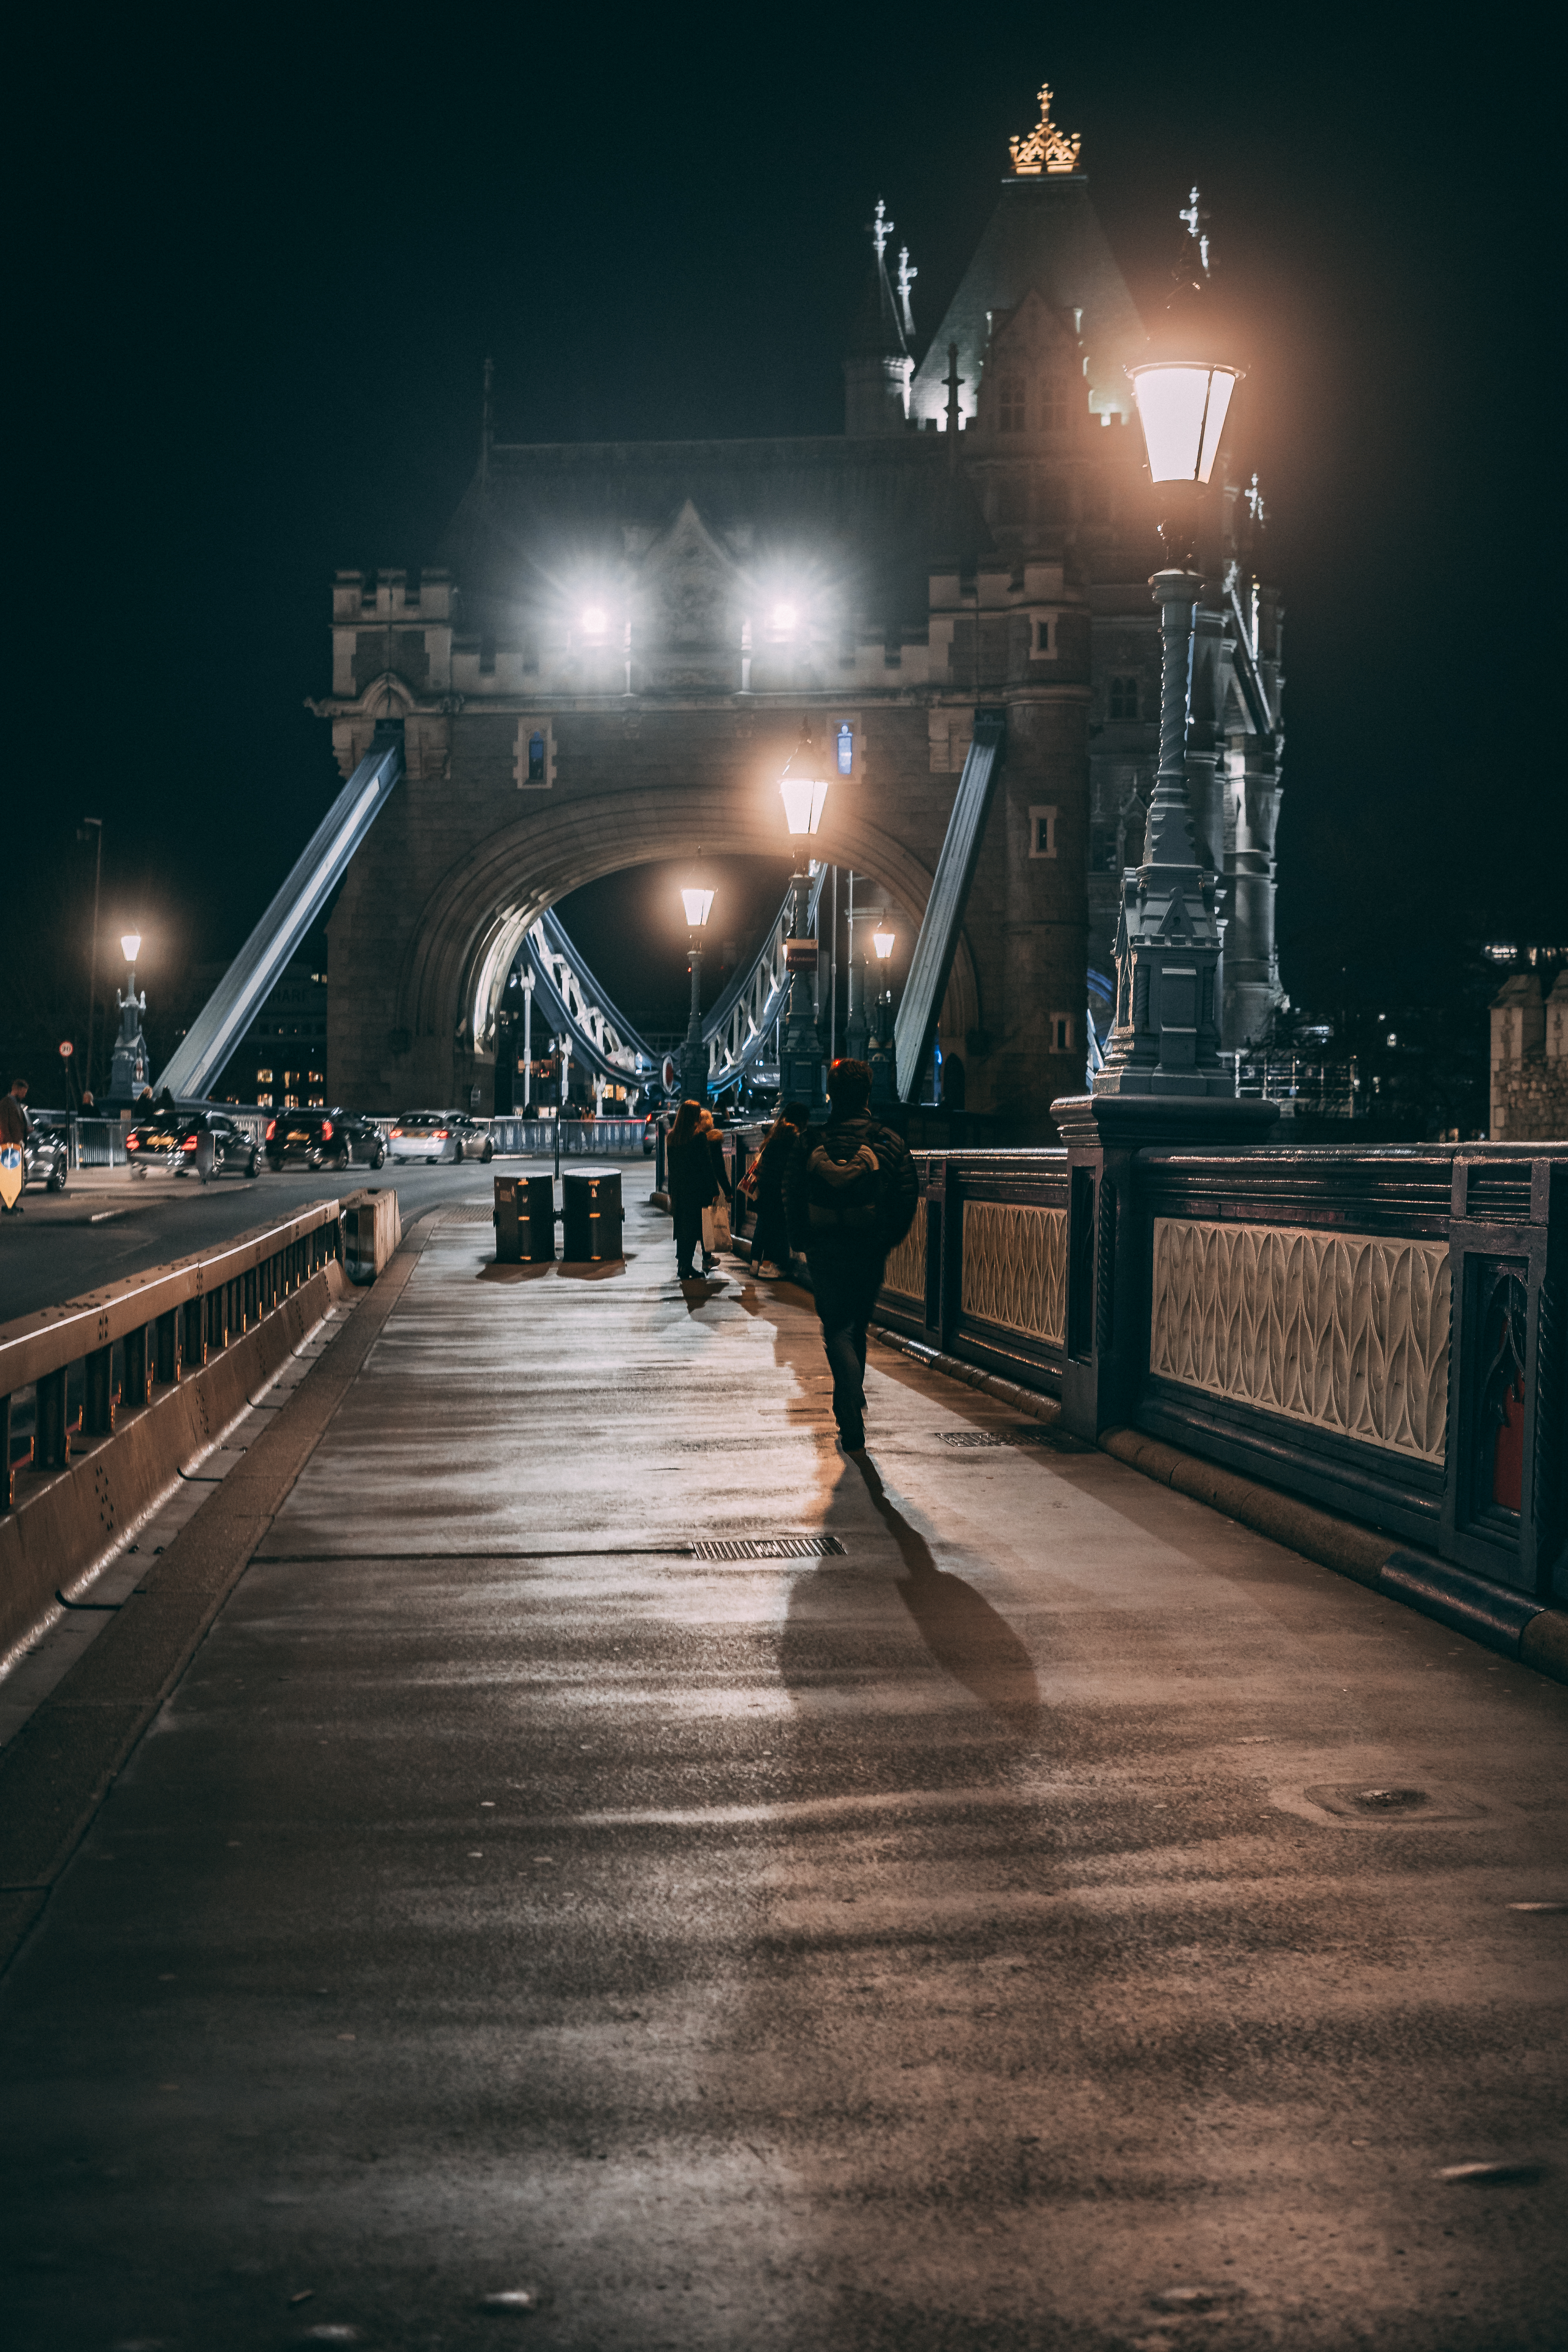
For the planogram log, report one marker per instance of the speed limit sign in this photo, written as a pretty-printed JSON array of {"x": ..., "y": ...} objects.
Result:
[{"x": 67, "y": 1050}]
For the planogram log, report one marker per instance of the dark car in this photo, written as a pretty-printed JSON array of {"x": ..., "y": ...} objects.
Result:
[
  {"x": 205, "y": 1142},
  {"x": 324, "y": 1138},
  {"x": 47, "y": 1159}
]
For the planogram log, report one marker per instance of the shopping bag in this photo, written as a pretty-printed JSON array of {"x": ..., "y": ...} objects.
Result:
[{"x": 716, "y": 1227}]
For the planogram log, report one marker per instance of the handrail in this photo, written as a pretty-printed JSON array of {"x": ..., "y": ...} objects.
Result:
[{"x": 55, "y": 1337}]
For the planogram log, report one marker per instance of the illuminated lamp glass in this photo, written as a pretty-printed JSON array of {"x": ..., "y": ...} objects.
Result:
[
  {"x": 802, "y": 789},
  {"x": 595, "y": 620},
  {"x": 883, "y": 940},
  {"x": 786, "y": 617},
  {"x": 131, "y": 945},
  {"x": 1182, "y": 406},
  {"x": 697, "y": 903}
]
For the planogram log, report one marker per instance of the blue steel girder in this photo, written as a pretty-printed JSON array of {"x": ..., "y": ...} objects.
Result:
[{"x": 737, "y": 1031}]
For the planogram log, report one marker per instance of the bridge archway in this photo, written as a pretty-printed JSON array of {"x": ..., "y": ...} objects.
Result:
[{"x": 471, "y": 923}]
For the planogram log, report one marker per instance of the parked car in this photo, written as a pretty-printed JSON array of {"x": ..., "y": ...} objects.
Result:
[
  {"x": 47, "y": 1160},
  {"x": 324, "y": 1138},
  {"x": 179, "y": 1141},
  {"x": 433, "y": 1135}
]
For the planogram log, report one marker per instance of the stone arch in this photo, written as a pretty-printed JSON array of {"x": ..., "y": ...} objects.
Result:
[{"x": 472, "y": 920}]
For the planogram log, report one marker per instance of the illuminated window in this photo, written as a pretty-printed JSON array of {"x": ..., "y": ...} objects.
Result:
[
  {"x": 1010, "y": 408},
  {"x": 264, "y": 1078},
  {"x": 1123, "y": 697},
  {"x": 845, "y": 750},
  {"x": 536, "y": 758}
]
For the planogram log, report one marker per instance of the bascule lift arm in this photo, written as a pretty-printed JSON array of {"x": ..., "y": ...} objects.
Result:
[
  {"x": 211, "y": 1037},
  {"x": 931, "y": 966}
]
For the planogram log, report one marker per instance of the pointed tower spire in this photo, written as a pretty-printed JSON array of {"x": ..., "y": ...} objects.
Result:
[{"x": 878, "y": 366}]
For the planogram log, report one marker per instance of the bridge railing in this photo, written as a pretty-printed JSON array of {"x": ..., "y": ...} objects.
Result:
[
  {"x": 589, "y": 1138},
  {"x": 75, "y": 1371},
  {"x": 1383, "y": 1331}
]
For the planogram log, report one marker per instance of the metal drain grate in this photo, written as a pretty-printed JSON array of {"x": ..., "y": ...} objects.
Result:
[
  {"x": 1032, "y": 1434},
  {"x": 768, "y": 1548}
]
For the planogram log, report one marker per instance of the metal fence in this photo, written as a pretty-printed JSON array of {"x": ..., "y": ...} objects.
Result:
[
  {"x": 580, "y": 1138},
  {"x": 1383, "y": 1331},
  {"x": 75, "y": 1370}
]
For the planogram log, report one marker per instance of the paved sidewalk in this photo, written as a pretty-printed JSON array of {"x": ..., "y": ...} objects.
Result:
[{"x": 964, "y": 1940}]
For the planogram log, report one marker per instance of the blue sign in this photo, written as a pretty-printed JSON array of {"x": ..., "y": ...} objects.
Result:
[{"x": 845, "y": 751}]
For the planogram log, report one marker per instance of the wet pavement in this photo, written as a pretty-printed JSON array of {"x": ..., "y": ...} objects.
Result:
[{"x": 613, "y": 1852}]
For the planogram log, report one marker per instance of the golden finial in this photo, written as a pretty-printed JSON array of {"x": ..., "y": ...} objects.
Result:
[{"x": 1046, "y": 148}]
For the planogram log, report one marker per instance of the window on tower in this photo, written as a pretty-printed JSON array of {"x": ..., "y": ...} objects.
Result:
[
  {"x": 1123, "y": 697},
  {"x": 1054, "y": 407},
  {"x": 1010, "y": 414},
  {"x": 536, "y": 758}
]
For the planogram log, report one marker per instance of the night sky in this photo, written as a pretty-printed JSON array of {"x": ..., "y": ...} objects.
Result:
[{"x": 257, "y": 275}]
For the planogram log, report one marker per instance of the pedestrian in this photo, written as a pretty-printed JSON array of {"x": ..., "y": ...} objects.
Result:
[
  {"x": 14, "y": 1128},
  {"x": 770, "y": 1243},
  {"x": 694, "y": 1173},
  {"x": 850, "y": 1194}
]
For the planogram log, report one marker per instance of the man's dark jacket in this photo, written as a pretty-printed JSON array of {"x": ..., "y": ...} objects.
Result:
[{"x": 900, "y": 1193}]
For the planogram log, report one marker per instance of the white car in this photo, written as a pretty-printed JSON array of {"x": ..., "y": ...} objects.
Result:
[{"x": 428, "y": 1135}]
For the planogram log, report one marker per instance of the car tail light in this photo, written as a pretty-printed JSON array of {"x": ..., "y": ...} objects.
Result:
[
  {"x": 326, "y": 1128},
  {"x": 397, "y": 1130},
  {"x": 442, "y": 1133},
  {"x": 271, "y": 1130},
  {"x": 190, "y": 1143},
  {"x": 132, "y": 1143}
]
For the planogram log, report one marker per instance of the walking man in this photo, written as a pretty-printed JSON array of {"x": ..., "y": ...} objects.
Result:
[
  {"x": 14, "y": 1128},
  {"x": 850, "y": 1194}
]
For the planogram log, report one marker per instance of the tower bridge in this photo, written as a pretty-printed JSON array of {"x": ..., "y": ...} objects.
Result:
[{"x": 618, "y": 644}]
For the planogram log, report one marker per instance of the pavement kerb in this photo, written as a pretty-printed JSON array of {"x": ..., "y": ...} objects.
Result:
[
  {"x": 1516, "y": 1628},
  {"x": 60, "y": 1766}
]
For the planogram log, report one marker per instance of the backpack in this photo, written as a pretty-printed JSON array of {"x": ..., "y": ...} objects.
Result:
[{"x": 849, "y": 1186}]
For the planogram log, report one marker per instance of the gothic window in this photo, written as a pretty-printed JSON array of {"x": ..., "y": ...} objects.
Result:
[
  {"x": 1010, "y": 406},
  {"x": 536, "y": 758},
  {"x": 1123, "y": 697},
  {"x": 1054, "y": 407}
]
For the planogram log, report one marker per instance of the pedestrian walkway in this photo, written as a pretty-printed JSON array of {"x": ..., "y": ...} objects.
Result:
[{"x": 619, "y": 1873}]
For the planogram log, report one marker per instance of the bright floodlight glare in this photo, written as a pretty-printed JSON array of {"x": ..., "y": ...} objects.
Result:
[
  {"x": 803, "y": 797},
  {"x": 594, "y": 620},
  {"x": 131, "y": 945},
  {"x": 784, "y": 617},
  {"x": 883, "y": 940},
  {"x": 1182, "y": 406},
  {"x": 697, "y": 903}
]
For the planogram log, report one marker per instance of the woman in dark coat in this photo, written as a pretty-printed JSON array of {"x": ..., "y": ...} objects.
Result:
[
  {"x": 694, "y": 1168},
  {"x": 770, "y": 1243}
]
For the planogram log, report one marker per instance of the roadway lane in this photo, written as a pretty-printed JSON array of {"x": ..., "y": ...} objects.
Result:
[
  {"x": 970, "y": 1939},
  {"x": 107, "y": 1224}
]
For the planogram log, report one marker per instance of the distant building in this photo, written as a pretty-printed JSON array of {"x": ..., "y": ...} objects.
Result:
[
  {"x": 1530, "y": 1059},
  {"x": 281, "y": 1060}
]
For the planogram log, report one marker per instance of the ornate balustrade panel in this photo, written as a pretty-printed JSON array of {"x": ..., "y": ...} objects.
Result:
[
  {"x": 1348, "y": 1332},
  {"x": 906, "y": 1268},
  {"x": 1015, "y": 1267}
]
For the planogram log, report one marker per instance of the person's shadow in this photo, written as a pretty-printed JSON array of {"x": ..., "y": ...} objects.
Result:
[{"x": 963, "y": 1634}]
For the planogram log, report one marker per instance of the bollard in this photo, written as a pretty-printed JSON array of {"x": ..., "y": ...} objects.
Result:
[
  {"x": 591, "y": 1217},
  {"x": 524, "y": 1220}
]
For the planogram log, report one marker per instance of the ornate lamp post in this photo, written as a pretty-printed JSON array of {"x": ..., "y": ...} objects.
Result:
[
  {"x": 1166, "y": 1040},
  {"x": 802, "y": 788},
  {"x": 881, "y": 1054},
  {"x": 129, "y": 1074},
  {"x": 699, "y": 904}
]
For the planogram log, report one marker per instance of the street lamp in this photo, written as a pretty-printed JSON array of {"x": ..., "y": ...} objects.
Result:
[
  {"x": 881, "y": 1055},
  {"x": 1166, "y": 1039},
  {"x": 698, "y": 903},
  {"x": 128, "y": 1073},
  {"x": 802, "y": 788}
]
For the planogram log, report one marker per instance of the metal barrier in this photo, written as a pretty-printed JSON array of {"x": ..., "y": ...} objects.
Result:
[
  {"x": 581, "y": 1139},
  {"x": 1384, "y": 1331},
  {"x": 80, "y": 1366}
]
